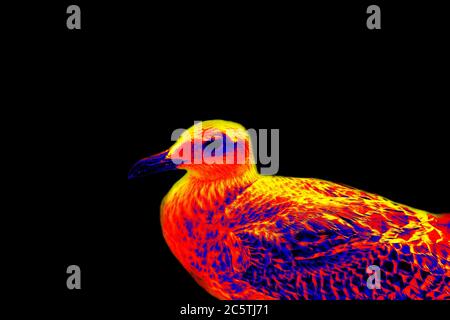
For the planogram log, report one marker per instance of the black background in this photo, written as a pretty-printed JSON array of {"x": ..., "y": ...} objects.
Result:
[{"x": 360, "y": 107}]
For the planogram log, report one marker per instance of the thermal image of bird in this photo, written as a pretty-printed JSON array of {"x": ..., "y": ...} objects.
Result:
[{"x": 242, "y": 235}]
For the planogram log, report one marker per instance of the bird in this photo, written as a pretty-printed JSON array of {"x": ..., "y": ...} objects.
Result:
[{"x": 246, "y": 236}]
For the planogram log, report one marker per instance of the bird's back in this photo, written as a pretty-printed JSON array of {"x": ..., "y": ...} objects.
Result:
[{"x": 312, "y": 239}]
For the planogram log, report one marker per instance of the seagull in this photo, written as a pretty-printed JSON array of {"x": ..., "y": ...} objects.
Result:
[{"x": 243, "y": 235}]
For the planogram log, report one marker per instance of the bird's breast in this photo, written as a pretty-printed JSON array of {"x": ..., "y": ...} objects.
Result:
[
  {"x": 199, "y": 235},
  {"x": 192, "y": 232}
]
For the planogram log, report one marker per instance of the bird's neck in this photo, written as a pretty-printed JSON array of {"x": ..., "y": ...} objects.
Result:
[{"x": 193, "y": 194}]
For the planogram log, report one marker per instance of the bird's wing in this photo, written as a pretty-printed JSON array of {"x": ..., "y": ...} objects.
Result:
[{"x": 315, "y": 239}]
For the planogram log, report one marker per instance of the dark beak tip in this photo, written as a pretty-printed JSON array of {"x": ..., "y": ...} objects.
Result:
[
  {"x": 150, "y": 165},
  {"x": 131, "y": 176}
]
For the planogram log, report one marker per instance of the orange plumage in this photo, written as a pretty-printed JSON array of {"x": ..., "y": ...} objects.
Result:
[{"x": 246, "y": 236}]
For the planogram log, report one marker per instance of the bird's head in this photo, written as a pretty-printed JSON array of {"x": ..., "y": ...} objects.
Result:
[{"x": 210, "y": 150}]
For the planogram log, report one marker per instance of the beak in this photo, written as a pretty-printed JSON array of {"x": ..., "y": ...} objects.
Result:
[{"x": 153, "y": 164}]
